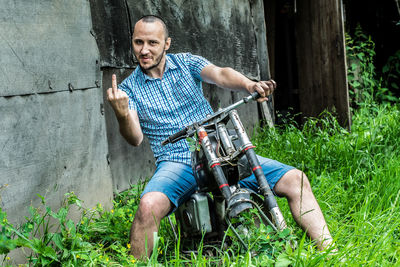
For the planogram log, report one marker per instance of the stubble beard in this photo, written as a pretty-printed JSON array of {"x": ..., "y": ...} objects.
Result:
[{"x": 158, "y": 61}]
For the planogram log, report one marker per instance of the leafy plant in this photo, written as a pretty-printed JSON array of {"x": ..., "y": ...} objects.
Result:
[
  {"x": 193, "y": 143},
  {"x": 56, "y": 240},
  {"x": 360, "y": 51},
  {"x": 365, "y": 86}
]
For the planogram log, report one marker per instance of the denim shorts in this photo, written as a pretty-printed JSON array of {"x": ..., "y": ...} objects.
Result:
[{"x": 177, "y": 182}]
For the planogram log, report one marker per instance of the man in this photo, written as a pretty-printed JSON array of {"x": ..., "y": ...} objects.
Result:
[{"x": 162, "y": 96}]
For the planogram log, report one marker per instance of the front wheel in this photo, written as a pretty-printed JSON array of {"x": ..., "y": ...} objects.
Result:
[{"x": 256, "y": 231}]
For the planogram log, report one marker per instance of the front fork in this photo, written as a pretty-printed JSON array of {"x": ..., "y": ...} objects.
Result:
[
  {"x": 247, "y": 146},
  {"x": 213, "y": 162}
]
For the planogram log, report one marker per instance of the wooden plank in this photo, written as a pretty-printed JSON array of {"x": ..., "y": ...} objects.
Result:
[
  {"x": 321, "y": 59},
  {"x": 341, "y": 83},
  {"x": 269, "y": 14},
  {"x": 263, "y": 57}
]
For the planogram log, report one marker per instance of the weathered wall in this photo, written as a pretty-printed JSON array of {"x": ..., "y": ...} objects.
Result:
[
  {"x": 56, "y": 133},
  {"x": 228, "y": 33},
  {"x": 52, "y": 131}
]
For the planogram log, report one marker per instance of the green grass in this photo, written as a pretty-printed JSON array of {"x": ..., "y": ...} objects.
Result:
[{"x": 354, "y": 175}]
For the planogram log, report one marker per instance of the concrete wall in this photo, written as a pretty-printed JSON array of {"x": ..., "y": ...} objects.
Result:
[
  {"x": 57, "y": 133},
  {"x": 52, "y": 131}
]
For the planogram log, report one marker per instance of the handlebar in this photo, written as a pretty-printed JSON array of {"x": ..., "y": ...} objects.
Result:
[
  {"x": 184, "y": 132},
  {"x": 176, "y": 136}
]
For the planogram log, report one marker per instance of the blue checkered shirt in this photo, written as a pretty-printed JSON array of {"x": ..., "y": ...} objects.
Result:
[{"x": 167, "y": 105}]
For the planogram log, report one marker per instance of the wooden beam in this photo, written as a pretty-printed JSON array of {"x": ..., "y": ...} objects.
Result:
[
  {"x": 322, "y": 60},
  {"x": 257, "y": 11}
]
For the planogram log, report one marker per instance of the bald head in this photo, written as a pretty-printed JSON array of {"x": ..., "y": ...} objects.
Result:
[{"x": 153, "y": 19}]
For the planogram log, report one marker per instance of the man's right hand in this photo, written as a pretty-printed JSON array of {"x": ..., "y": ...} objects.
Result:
[
  {"x": 128, "y": 120},
  {"x": 118, "y": 99}
]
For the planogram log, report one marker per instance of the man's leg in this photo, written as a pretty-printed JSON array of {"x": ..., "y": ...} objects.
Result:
[
  {"x": 294, "y": 185},
  {"x": 171, "y": 184},
  {"x": 153, "y": 207},
  {"x": 286, "y": 181}
]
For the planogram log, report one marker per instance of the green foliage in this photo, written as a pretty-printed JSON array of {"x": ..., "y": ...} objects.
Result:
[
  {"x": 98, "y": 238},
  {"x": 365, "y": 86},
  {"x": 193, "y": 143},
  {"x": 354, "y": 175},
  {"x": 360, "y": 52}
]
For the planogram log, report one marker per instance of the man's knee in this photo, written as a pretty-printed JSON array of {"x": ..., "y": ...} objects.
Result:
[
  {"x": 152, "y": 208},
  {"x": 294, "y": 183}
]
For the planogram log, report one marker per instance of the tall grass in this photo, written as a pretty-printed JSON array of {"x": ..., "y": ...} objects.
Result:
[{"x": 355, "y": 176}]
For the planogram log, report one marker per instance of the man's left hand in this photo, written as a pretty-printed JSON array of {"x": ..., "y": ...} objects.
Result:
[{"x": 264, "y": 88}]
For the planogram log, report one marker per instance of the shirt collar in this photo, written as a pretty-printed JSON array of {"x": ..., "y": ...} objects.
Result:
[{"x": 169, "y": 65}]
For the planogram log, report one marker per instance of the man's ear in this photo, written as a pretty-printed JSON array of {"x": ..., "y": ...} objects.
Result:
[{"x": 167, "y": 44}]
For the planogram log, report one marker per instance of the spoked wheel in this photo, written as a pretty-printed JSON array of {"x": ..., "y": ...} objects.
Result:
[{"x": 252, "y": 230}]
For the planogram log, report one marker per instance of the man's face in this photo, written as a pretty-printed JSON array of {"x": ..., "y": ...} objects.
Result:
[{"x": 150, "y": 44}]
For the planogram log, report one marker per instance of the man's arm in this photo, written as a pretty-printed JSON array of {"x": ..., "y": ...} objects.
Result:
[
  {"x": 232, "y": 79},
  {"x": 128, "y": 120}
]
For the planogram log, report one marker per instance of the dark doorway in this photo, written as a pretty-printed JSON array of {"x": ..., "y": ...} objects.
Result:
[
  {"x": 282, "y": 53},
  {"x": 307, "y": 59}
]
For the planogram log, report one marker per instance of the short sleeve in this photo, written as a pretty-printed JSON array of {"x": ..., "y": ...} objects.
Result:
[
  {"x": 196, "y": 65},
  {"x": 127, "y": 87}
]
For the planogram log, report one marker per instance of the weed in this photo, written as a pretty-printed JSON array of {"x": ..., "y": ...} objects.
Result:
[{"x": 365, "y": 85}]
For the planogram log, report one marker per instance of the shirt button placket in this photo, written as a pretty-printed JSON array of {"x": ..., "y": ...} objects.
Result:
[{"x": 168, "y": 88}]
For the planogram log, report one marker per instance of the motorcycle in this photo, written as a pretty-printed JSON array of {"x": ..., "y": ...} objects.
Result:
[{"x": 221, "y": 157}]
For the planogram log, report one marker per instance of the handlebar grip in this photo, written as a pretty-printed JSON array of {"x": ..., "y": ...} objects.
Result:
[
  {"x": 255, "y": 95},
  {"x": 175, "y": 137}
]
